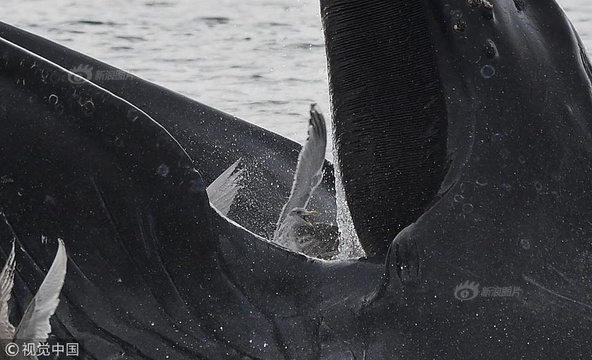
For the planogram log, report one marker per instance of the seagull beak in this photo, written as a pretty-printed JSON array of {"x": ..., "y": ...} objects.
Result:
[{"x": 310, "y": 213}]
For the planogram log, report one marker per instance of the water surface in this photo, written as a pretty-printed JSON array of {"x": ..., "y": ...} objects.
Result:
[{"x": 262, "y": 60}]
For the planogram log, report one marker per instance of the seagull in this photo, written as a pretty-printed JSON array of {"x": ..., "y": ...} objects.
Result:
[
  {"x": 320, "y": 241},
  {"x": 298, "y": 233},
  {"x": 294, "y": 229},
  {"x": 34, "y": 326},
  {"x": 309, "y": 169},
  {"x": 288, "y": 231}
]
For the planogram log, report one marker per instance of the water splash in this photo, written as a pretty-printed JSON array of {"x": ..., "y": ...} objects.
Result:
[{"x": 349, "y": 244}]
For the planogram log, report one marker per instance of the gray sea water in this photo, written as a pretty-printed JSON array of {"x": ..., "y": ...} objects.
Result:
[{"x": 261, "y": 60}]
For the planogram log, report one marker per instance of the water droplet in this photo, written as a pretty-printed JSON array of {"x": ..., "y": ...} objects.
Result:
[
  {"x": 132, "y": 115},
  {"x": 460, "y": 26},
  {"x": 5, "y": 179},
  {"x": 497, "y": 138},
  {"x": 88, "y": 107},
  {"x": 53, "y": 99},
  {"x": 50, "y": 200},
  {"x": 525, "y": 244},
  {"x": 163, "y": 170},
  {"x": 538, "y": 186},
  {"x": 487, "y": 71},
  {"x": 119, "y": 141},
  {"x": 458, "y": 198},
  {"x": 82, "y": 98},
  {"x": 490, "y": 49},
  {"x": 467, "y": 208},
  {"x": 456, "y": 14},
  {"x": 461, "y": 187},
  {"x": 481, "y": 181}
]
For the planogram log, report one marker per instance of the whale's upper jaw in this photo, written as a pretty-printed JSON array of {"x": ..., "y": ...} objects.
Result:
[
  {"x": 389, "y": 114},
  {"x": 501, "y": 193},
  {"x": 430, "y": 96}
]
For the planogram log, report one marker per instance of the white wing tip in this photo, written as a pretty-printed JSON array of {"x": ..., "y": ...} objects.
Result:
[{"x": 35, "y": 323}]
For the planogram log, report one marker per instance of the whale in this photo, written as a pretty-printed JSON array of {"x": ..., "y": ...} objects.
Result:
[
  {"x": 463, "y": 141},
  {"x": 194, "y": 125}
]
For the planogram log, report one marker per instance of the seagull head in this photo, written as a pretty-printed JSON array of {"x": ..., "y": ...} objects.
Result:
[{"x": 303, "y": 214}]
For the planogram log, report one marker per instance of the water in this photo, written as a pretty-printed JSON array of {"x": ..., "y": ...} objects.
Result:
[{"x": 261, "y": 60}]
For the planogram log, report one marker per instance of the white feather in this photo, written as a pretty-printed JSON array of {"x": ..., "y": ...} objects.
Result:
[
  {"x": 309, "y": 169},
  {"x": 6, "y": 283},
  {"x": 224, "y": 189},
  {"x": 35, "y": 323}
]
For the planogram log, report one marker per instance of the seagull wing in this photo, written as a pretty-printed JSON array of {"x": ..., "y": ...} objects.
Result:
[
  {"x": 320, "y": 241},
  {"x": 35, "y": 323},
  {"x": 309, "y": 169},
  {"x": 224, "y": 189},
  {"x": 6, "y": 283}
]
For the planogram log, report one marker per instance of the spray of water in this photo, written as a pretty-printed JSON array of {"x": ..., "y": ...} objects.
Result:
[{"x": 349, "y": 244}]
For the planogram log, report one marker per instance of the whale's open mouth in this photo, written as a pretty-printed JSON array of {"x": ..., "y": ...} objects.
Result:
[
  {"x": 389, "y": 114},
  {"x": 111, "y": 168}
]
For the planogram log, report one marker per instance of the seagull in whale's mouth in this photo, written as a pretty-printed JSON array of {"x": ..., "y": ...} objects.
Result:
[
  {"x": 287, "y": 233},
  {"x": 298, "y": 233},
  {"x": 302, "y": 214},
  {"x": 294, "y": 229}
]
